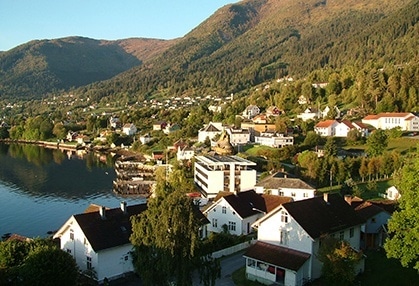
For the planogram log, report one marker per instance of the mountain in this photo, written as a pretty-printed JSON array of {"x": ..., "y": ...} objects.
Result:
[
  {"x": 249, "y": 42},
  {"x": 253, "y": 41},
  {"x": 39, "y": 67}
]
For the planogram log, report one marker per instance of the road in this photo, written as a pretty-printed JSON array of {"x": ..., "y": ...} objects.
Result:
[{"x": 229, "y": 264}]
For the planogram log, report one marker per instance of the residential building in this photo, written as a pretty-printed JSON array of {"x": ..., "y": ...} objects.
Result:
[
  {"x": 251, "y": 111},
  {"x": 310, "y": 114},
  {"x": 114, "y": 122},
  {"x": 273, "y": 111},
  {"x": 210, "y": 131},
  {"x": 374, "y": 232},
  {"x": 285, "y": 184},
  {"x": 237, "y": 212},
  {"x": 213, "y": 174},
  {"x": 273, "y": 139},
  {"x": 238, "y": 136},
  {"x": 387, "y": 120},
  {"x": 260, "y": 119},
  {"x": 129, "y": 129},
  {"x": 392, "y": 193},
  {"x": 146, "y": 138},
  {"x": 170, "y": 128},
  {"x": 326, "y": 127},
  {"x": 98, "y": 239},
  {"x": 340, "y": 128},
  {"x": 160, "y": 125},
  {"x": 327, "y": 109},
  {"x": 185, "y": 153},
  {"x": 289, "y": 238}
]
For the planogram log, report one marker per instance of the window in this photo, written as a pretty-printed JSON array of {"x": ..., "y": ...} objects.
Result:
[
  {"x": 68, "y": 250},
  {"x": 351, "y": 232},
  {"x": 126, "y": 257},
  {"x": 341, "y": 235},
  {"x": 214, "y": 222},
  {"x": 85, "y": 241},
  {"x": 373, "y": 220},
  {"x": 305, "y": 195},
  {"x": 251, "y": 263},
  {"x": 284, "y": 216},
  {"x": 232, "y": 226},
  {"x": 283, "y": 239},
  {"x": 89, "y": 262},
  {"x": 281, "y": 193},
  {"x": 224, "y": 210},
  {"x": 71, "y": 235},
  {"x": 292, "y": 194}
]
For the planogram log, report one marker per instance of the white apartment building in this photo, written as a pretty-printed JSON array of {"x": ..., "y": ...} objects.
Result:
[
  {"x": 273, "y": 139},
  {"x": 388, "y": 120},
  {"x": 223, "y": 173},
  {"x": 238, "y": 136}
]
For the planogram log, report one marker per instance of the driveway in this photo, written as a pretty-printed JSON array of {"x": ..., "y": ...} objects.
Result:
[{"x": 229, "y": 264}]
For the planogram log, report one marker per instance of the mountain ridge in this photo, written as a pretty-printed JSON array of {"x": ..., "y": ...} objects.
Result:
[{"x": 251, "y": 41}]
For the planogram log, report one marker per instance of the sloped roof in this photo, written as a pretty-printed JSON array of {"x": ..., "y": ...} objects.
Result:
[
  {"x": 277, "y": 255},
  {"x": 367, "y": 210},
  {"x": 325, "y": 123},
  {"x": 113, "y": 231},
  {"x": 347, "y": 123},
  {"x": 246, "y": 203},
  {"x": 317, "y": 217},
  {"x": 210, "y": 128},
  {"x": 283, "y": 180},
  {"x": 249, "y": 203}
]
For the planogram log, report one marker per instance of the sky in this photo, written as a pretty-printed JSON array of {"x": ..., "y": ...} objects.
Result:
[{"x": 24, "y": 20}]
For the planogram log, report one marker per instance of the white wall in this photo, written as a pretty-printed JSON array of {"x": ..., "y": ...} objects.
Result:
[{"x": 114, "y": 262}]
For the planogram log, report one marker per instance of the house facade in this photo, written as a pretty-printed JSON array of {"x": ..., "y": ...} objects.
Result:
[
  {"x": 238, "y": 136},
  {"x": 309, "y": 114},
  {"x": 273, "y": 139},
  {"x": 326, "y": 127},
  {"x": 251, "y": 111},
  {"x": 284, "y": 184},
  {"x": 339, "y": 128},
  {"x": 129, "y": 129},
  {"x": 237, "y": 212},
  {"x": 289, "y": 238},
  {"x": 99, "y": 241},
  {"x": 387, "y": 120},
  {"x": 213, "y": 174},
  {"x": 210, "y": 131},
  {"x": 185, "y": 153},
  {"x": 392, "y": 193}
]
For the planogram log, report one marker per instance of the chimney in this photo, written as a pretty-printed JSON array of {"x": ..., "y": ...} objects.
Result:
[
  {"x": 124, "y": 207},
  {"x": 326, "y": 197},
  {"x": 348, "y": 199},
  {"x": 102, "y": 212}
]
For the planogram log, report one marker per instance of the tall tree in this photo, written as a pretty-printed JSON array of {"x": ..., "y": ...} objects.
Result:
[
  {"x": 166, "y": 239},
  {"x": 377, "y": 142},
  {"x": 403, "y": 227}
]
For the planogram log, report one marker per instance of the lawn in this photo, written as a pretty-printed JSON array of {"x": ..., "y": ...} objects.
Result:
[{"x": 379, "y": 270}]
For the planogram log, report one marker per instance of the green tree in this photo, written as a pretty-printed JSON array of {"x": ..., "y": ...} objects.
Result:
[
  {"x": 403, "y": 227},
  {"x": 330, "y": 148},
  {"x": 167, "y": 246},
  {"x": 312, "y": 139},
  {"x": 377, "y": 142},
  {"x": 339, "y": 260},
  {"x": 49, "y": 265}
]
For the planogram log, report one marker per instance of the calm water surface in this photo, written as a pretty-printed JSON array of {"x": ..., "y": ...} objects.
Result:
[{"x": 41, "y": 188}]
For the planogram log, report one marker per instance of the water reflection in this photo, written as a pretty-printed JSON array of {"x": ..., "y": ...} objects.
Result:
[
  {"x": 52, "y": 172},
  {"x": 41, "y": 188}
]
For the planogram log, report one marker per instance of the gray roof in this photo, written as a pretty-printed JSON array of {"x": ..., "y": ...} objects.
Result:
[{"x": 283, "y": 180}]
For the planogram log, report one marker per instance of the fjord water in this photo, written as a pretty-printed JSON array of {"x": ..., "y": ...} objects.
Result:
[{"x": 41, "y": 188}]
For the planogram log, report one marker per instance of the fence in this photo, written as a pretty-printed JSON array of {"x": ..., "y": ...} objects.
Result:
[{"x": 232, "y": 249}]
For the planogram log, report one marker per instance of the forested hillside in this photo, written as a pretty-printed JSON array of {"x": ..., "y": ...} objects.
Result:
[
  {"x": 40, "y": 67},
  {"x": 254, "y": 41}
]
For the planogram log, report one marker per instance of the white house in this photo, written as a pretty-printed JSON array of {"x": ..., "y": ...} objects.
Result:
[
  {"x": 309, "y": 114},
  {"x": 213, "y": 174},
  {"x": 289, "y": 238},
  {"x": 284, "y": 184},
  {"x": 98, "y": 239},
  {"x": 326, "y": 127},
  {"x": 251, "y": 111},
  {"x": 392, "y": 193},
  {"x": 146, "y": 138},
  {"x": 237, "y": 212},
  {"x": 388, "y": 120},
  {"x": 238, "y": 136},
  {"x": 273, "y": 139},
  {"x": 327, "y": 109},
  {"x": 129, "y": 129},
  {"x": 114, "y": 122},
  {"x": 185, "y": 153},
  {"x": 210, "y": 131}
]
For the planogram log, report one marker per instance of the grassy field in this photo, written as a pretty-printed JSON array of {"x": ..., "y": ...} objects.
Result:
[{"x": 379, "y": 270}]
